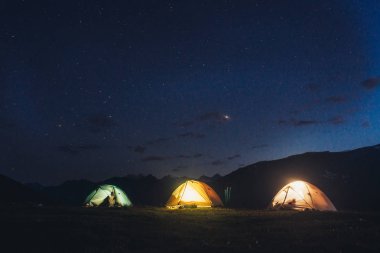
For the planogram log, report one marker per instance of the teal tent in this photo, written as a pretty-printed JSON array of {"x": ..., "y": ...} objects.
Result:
[{"x": 102, "y": 195}]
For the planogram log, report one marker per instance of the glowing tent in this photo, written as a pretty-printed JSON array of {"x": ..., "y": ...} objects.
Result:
[
  {"x": 300, "y": 195},
  {"x": 107, "y": 195},
  {"x": 194, "y": 194}
]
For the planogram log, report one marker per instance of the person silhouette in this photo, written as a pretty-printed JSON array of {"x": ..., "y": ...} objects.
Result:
[{"x": 111, "y": 200}]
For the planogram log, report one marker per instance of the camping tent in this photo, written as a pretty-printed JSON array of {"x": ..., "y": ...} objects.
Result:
[
  {"x": 101, "y": 195},
  {"x": 194, "y": 193},
  {"x": 300, "y": 195}
]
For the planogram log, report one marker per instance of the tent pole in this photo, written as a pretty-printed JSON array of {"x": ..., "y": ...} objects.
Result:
[
  {"x": 312, "y": 202},
  {"x": 303, "y": 198},
  {"x": 286, "y": 195},
  {"x": 184, "y": 189}
]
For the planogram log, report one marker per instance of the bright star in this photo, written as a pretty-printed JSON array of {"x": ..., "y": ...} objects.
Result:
[{"x": 226, "y": 117}]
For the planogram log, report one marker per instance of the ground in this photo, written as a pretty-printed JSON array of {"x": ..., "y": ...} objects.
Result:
[{"x": 48, "y": 229}]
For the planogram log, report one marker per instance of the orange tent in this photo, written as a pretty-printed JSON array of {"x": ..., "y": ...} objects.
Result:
[{"x": 194, "y": 193}]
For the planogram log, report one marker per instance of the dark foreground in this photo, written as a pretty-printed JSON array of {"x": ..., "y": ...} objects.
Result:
[{"x": 191, "y": 230}]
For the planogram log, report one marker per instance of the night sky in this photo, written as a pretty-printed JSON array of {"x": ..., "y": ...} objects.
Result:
[{"x": 95, "y": 89}]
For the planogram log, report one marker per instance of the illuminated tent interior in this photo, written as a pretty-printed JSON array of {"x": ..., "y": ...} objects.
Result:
[
  {"x": 300, "y": 195},
  {"x": 99, "y": 197},
  {"x": 194, "y": 194}
]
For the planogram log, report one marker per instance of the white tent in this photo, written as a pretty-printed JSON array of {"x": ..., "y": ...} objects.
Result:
[
  {"x": 99, "y": 196},
  {"x": 300, "y": 195}
]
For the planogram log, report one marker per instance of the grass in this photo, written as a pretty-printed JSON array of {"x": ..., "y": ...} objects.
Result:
[{"x": 188, "y": 230}]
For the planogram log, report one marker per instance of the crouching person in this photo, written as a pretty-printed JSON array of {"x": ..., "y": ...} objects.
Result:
[{"x": 111, "y": 200}]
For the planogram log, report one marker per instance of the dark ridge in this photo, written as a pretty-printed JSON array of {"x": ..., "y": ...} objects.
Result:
[{"x": 349, "y": 178}]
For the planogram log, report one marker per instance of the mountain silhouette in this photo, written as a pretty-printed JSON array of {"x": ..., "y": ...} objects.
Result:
[
  {"x": 349, "y": 178},
  {"x": 15, "y": 193}
]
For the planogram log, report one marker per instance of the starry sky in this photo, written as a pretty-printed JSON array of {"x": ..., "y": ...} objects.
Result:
[{"x": 94, "y": 89}]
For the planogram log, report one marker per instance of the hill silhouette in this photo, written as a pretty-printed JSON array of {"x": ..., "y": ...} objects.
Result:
[
  {"x": 350, "y": 179},
  {"x": 15, "y": 193}
]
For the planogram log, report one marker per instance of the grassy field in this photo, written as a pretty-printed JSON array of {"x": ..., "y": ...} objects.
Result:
[{"x": 190, "y": 230}]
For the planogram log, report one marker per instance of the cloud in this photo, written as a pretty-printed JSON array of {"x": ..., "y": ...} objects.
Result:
[
  {"x": 185, "y": 123},
  {"x": 366, "y": 124},
  {"x": 336, "y": 99},
  {"x": 198, "y": 155},
  {"x": 191, "y": 135},
  {"x": 154, "y": 158},
  {"x": 297, "y": 123},
  {"x": 76, "y": 149},
  {"x": 100, "y": 122},
  {"x": 260, "y": 146},
  {"x": 338, "y": 120},
  {"x": 295, "y": 112},
  {"x": 68, "y": 150},
  {"x": 213, "y": 116},
  {"x": 158, "y": 141},
  {"x": 183, "y": 156},
  {"x": 139, "y": 149},
  {"x": 5, "y": 124},
  {"x": 313, "y": 87},
  {"x": 371, "y": 83},
  {"x": 217, "y": 162},
  {"x": 158, "y": 158},
  {"x": 179, "y": 168},
  {"x": 88, "y": 147},
  {"x": 210, "y": 117},
  {"x": 233, "y": 157}
]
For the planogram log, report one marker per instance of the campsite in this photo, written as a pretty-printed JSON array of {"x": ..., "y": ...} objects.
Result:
[
  {"x": 144, "y": 229},
  {"x": 75, "y": 217},
  {"x": 175, "y": 214},
  {"x": 189, "y": 126}
]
